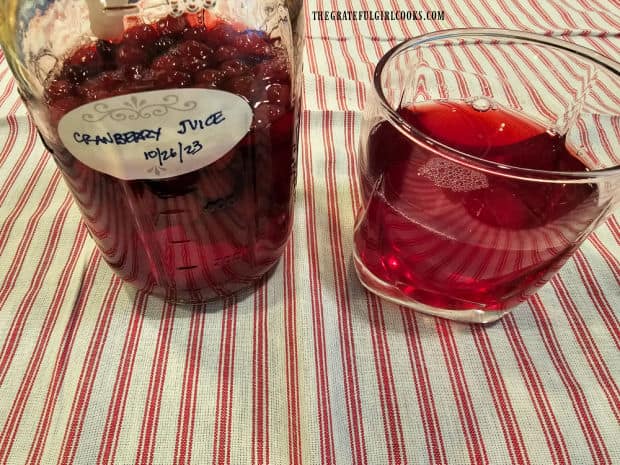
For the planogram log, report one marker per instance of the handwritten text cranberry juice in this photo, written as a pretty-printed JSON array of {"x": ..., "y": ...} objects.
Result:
[
  {"x": 456, "y": 238},
  {"x": 205, "y": 233}
]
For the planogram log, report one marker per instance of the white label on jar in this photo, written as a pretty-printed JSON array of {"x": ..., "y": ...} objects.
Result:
[{"x": 156, "y": 134}]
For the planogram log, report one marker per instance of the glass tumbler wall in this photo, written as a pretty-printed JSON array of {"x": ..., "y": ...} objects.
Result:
[
  {"x": 173, "y": 126},
  {"x": 486, "y": 159}
]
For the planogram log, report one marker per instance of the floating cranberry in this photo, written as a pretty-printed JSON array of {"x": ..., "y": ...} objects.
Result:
[
  {"x": 106, "y": 50},
  {"x": 209, "y": 78},
  {"x": 143, "y": 35},
  {"x": 172, "y": 26},
  {"x": 163, "y": 43},
  {"x": 199, "y": 33},
  {"x": 275, "y": 70},
  {"x": 136, "y": 72},
  {"x": 232, "y": 68},
  {"x": 94, "y": 89},
  {"x": 279, "y": 94},
  {"x": 195, "y": 49},
  {"x": 265, "y": 114},
  {"x": 173, "y": 78},
  {"x": 252, "y": 43},
  {"x": 75, "y": 73},
  {"x": 59, "y": 89},
  {"x": 225, "y": 53},
  {"x": 129, "y": 54},
  {"x": 241, "y": 85},
  {"x": 88, "y": 58},
  {"x": 221, "y": 34}
]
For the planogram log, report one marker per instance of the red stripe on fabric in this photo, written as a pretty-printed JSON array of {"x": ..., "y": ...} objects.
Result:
[
  {"x": 225, "y": 385},
  {"x": 81, "y": 398},
  {"x": 62, "y": 358},
  {"x": 51, "y": 316},
  {"x": 292, "y": 358},
  {"x": 501, "y": 398},
  {"x": 152, "y": 407},
  {"x": 435, "y": 447},
  {"x": 597, "y": 296},
  {"x": 20, "y": 158},
  {"x": 116, "y": 408},
  {"x": 596, "y": 444},
  {"x": 318, "y": 330},
  {"x": 614, "y": 228},
  {"x": 17, "y": 325},
  {"x": 343, "y": 303},
  {"x": 359, "y": 44},
  {"x": 260, "y": 377},
  {"x": 476, "y": 448},
  {"x": 397, "y": 453},
  {"x": 22, "y": 201},
  {"x": 189, "y": 390},
  {"x": 8, "y": 91},
  {"x": 350, "y": 63},
  {"x": 608, "y": 257},
  {"x": 546, "y": 417},
  {"x": 588, "y": 346},
  {"x": 322, "y": 380}
]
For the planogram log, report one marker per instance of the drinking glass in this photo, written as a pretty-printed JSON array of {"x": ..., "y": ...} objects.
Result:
[{"x": 486, "y": 158}]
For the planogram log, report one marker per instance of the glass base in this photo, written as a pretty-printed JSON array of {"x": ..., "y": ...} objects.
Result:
[{"x": 393, "y": 294}]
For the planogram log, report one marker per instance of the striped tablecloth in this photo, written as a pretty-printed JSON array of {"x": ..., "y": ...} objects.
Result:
[{"x": 308, "y": 368}]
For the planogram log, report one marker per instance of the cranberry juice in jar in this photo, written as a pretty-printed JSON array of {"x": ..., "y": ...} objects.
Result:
[{"x": 175, "y": 135}]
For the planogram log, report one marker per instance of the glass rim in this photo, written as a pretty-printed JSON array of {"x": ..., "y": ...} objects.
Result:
[{"x": 463, "y": 158}]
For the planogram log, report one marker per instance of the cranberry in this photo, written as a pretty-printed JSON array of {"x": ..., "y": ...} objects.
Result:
[
  {"x": 266, "y": 113},
  {"x": 63, "y": 106},
  {"x": 252, "y": 43},
  {"x": 241, "y": 85},
  {"x": 94, "y": 89},
  {"x": 75, "y": 73},
  {"x": 143, "y": 35},
  {"x": 279, "y": 94},
  {"x": 275, "y": 69},
  {"x": 232, "y": 68},
  {"x": 88, "y": 58},
  {"x": 130, "y": 87},
  {"x": 194, "y": 49},
  {"x": 199, "y": 33},
  {"x": 209, "y": 78},
  {"x": 225, "y": 53},
  {"x": 172, "y": 78},
  {"x": 58, "y": 89},
  {"x": 111, "y": 79},
  {"x": 106, "y": 50},
  {"x": 172, "y": 26},
  {"x": 164, "y": 43},
  {"x": 221, "y": 34},
  {"x": 136, "y": 72},
  {"x": 129, "y": 54}
]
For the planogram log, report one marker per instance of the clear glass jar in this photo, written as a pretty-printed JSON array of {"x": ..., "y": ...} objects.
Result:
[{"x": 173, "y": 124}]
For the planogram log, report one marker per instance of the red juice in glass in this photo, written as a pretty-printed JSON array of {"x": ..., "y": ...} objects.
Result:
[{"x": 453, "y": 237}]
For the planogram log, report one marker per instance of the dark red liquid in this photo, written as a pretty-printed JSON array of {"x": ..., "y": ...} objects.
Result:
[
  {"x": 212, "y": 231},
  {"x": 453, "y": 237}
]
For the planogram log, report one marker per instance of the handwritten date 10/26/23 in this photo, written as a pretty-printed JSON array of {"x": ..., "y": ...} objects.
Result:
[{"x": 163, "y": 155}]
